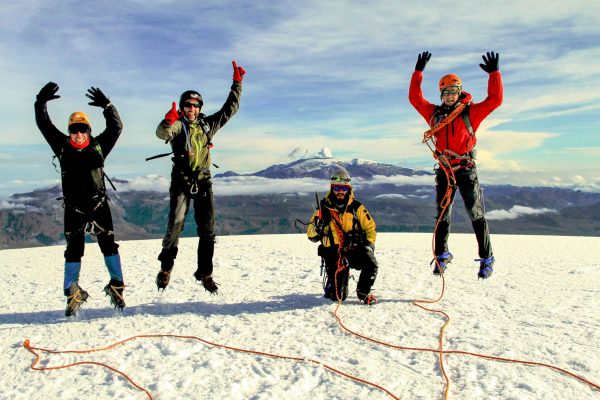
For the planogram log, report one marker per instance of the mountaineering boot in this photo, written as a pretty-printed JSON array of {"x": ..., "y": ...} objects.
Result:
[
  {"x": 485, "y": 267},
  {"x": 342, "y": 285},
  {"x": 167, "y": 260},
  {"x": 206, "y": 250},
  {"x": 367, "y": 298},
  {"x": 162, "y": 279},
  {"x": 114, "y": 290},
  {"x": 75, "y": 297},
  {"x": 208, "y": 282},
  {"x": 442, "y": 260},
  {"x": 327, "y": 288}
]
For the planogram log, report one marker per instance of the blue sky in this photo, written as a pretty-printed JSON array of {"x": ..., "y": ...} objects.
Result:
[{"x": 331, "y": 74}]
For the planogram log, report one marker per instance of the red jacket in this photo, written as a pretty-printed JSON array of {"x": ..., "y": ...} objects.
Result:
[{"x": 455, "y": 136}]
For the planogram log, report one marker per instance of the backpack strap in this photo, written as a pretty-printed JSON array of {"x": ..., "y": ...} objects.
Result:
[
  {"x": 467, "y": 121},
  {"x": 354, "y": 206},
  {"x": 326, "y": 215}
]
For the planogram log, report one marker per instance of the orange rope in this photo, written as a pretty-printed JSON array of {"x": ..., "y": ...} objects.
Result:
[
  {"x": 446, "y": 201},
  {"x": 338, "y": 224},
  {"x": 444, "y": 204},
  {"x": 33, "y": 350},
  {"x": 455, "y": 113}
]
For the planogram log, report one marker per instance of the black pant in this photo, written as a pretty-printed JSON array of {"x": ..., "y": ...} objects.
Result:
[
  {"x": 99, "y": 222},
  {"x": 204, "y": 216},
  {"x": 470, "y": 190},
  {"x": 360, "y": 258}
]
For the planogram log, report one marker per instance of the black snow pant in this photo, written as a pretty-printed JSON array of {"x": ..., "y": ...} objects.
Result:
[
  {"x": 470, "y": 190},
  {"x": 360, "y": 258},
  {"x": 204, "y": 215},
  {"x": 99, "y": 223}
]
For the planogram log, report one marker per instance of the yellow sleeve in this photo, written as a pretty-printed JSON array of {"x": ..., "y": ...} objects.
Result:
[
  {"x": 312, "y": 235},
  {"x": 367, "y": 223}
]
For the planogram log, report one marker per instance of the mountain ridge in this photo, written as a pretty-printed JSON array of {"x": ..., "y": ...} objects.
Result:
[{"x": 35, "y": 218}]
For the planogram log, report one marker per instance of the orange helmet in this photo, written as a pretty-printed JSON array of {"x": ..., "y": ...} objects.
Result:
[
  {"x": 79, "y": 117},
  {"x": 450, "y": 80}
]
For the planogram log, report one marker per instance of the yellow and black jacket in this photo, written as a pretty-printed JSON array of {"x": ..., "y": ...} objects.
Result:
[{"x": 354, "y": 217}]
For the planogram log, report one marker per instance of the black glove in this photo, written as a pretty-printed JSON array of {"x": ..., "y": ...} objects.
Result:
[
  {"x": 319, "y": 226},
  {"x": 48, "y": 92},
  {"x": 99, "y": 99},
  {"x": 370, "y": 247},
  {"x": 490, "y": 63},
  {"x": 422, "y": 60}
]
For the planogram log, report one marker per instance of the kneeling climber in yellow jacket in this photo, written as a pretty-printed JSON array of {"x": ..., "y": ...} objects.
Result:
[{"x": 347, "y": 234}]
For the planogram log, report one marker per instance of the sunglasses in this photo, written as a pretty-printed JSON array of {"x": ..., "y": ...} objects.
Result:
[
  {"x": 78, "y": 128},
  {"x": 340, "y": 188},
  {"x": 450, "y": 92},
  {"x": 190, "y": 105}
]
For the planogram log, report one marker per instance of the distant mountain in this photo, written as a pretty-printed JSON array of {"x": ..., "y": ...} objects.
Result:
[
  {"x": 36, "y": 218},
  {"x": 322, "y": 168}
]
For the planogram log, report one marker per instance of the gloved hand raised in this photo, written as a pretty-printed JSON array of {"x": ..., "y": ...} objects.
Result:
[
  {"x": 48, "y": 92},
  {"x": 490, "y": 63},
  {"x": 173, "y": 115},
  {"x": 238, "y": 72},
  {"x": 422, "y": 60},
  {"x": 98, "y": 98}
]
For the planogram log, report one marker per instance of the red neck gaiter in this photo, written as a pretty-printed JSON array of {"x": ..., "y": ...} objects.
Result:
[{"x": 80, "y": 146}]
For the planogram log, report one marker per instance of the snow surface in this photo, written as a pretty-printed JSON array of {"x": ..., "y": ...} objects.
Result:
[{"x": 540, "y": 305}]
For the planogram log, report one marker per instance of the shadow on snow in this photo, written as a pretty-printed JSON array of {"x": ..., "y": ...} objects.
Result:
[{"x": 276, "y": 304}]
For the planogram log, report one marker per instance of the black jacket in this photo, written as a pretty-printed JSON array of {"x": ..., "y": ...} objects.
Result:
[{"x": 81, "y": 169}]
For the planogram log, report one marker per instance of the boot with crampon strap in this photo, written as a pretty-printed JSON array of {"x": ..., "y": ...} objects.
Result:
[
  {"x": 367, "y": 298},
  {"x": 443, "y": 260},
  {"x": 76, "y": 296},
  {"x": 114, "y": 290},
  {"x": 162, "y": 279},
  {"x": 208, "y": 282},
  {"x": 485, "y": 267}
]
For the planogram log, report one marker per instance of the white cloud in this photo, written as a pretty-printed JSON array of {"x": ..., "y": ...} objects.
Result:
[
  {"x": 258, "y": 185},
  {"x": 298, "y": 153},
  {"x": 145, "y": 183},
  {"x": 249, "y": 185},
  {"x": 516, "y": 212},
  {"x": 391, "y": 196},
  {"x": 573, "y": 182},
  {"x": 347, "y": 68},
  {"x": 19, "y": 207},
  {"x": 325, "y": 153}
]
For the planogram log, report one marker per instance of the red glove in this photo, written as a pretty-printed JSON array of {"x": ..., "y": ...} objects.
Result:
[
  {"x": 173, "y": 115},
  {"x": 238, "y": 72}
]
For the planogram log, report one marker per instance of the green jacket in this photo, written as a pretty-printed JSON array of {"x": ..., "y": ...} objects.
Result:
[{"x": 191, "y": 141}]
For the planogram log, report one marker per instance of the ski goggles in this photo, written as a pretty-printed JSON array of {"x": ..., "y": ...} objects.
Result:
[
  {"x": 190, "y": 105},
  {"x": 337, "y": 179},
  {"x": 340, "y": 188},
  {"x": 78, "y": 128}
]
